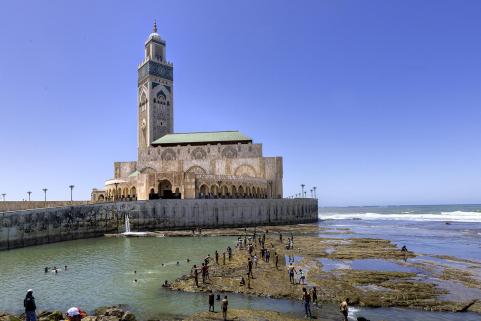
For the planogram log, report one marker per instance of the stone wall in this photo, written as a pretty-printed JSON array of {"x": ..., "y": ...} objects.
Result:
[
  {"x": 48, "y": 225},
  {"x": 26, "y": 205}
]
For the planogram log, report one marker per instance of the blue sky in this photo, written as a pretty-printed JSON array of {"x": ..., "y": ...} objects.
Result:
[{"x": 373, "y": 102}]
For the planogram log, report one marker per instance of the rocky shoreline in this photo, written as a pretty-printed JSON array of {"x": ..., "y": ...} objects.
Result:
[
  {"x": 366, "y": 288},
  {"x": 114, "y": 313}
]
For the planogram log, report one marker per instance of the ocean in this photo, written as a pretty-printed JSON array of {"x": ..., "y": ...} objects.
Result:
[{"x": 453, "y": 230}]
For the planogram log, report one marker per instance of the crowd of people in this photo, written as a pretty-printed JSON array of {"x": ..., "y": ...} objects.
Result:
[{"x": 250, "y": 244}]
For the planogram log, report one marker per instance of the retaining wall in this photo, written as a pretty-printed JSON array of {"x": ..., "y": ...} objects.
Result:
[
  {"x": 26, "y": 205},
  {"x": 48, "y": 225}
]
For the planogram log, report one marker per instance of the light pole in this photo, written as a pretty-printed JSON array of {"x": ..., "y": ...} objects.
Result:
[
  {"x": 71, "y": 192},
  {"x": 302, "y": 190},
  {"x": 115, "y": 194},
  {"x": 45, "y": 196},
  {"x": 312, "y": 194},
  {"x": 3, "y": 195},
  {"x": 314, "y": 188},
  {"x": 29, "y": 195}
]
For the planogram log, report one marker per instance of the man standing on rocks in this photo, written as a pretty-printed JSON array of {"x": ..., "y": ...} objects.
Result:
[
  {"x": 196, "y": 275},
  {"x": 216, "y": 257},
  {"x": 277, "y": 260},
  {"x": 223, "y": 257},
  {"x": 30, "y": 307},
  {"x": 249, "y": 268},
  {"x": 291, "y": 270}
]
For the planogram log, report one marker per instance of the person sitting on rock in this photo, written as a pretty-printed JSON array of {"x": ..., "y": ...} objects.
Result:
[{"x": 75, "y": 314}]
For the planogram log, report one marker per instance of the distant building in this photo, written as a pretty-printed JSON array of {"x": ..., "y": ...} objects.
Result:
[{"x": 224, "y": 164}]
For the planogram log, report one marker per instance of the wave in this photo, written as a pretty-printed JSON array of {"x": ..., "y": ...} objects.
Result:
[{"x": 456, "y": 216}]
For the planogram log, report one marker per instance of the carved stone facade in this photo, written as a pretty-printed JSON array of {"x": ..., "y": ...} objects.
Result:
[{"x": 186, "y": 165}]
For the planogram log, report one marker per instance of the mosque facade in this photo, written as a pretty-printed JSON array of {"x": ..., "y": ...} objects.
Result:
[{"x": 221, "y": 164}]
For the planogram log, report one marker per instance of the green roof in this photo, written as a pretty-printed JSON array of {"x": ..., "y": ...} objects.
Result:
[
  {"x": 202, "y": 138},
  {"x": 134, "y": 173}
]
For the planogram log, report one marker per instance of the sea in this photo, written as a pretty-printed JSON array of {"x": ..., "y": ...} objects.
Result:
[{"x": 442, "y": 230}]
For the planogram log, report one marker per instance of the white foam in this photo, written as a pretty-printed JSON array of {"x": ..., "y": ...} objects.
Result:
[{"x": 456, "y": 216}]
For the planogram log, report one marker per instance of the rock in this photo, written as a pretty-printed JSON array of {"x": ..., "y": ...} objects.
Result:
[
  {"x": 9, "y": 317},
  {"x": 100, "y": 311},
  {"x": 128, "y": 316},
  {"x": 114, "y": 311},
  {"x": 50, "y": 316},
  {"x": 90, "y": 318},
  {"x": 107, "y": 318}
]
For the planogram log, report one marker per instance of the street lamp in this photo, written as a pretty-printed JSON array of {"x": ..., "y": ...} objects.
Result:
[
  {"x": 71, "y": 192},
  {"x": 45, "y": 194},
  {"x": 29, "y": 195},
  {"x": 3, "y": 195},
  {"x": 312, "y": 194},
  {"x": 115, "y": 194},
  {"x": 314, "y": 188},
  {"x": 302, "y": 190}
]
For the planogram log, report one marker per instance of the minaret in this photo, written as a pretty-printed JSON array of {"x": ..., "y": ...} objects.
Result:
[{"x": 155, "y": 92}]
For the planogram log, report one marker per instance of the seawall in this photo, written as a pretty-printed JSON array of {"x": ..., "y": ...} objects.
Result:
[
  {"x": 26, "y": 205},
  {"x": 49, "y": 225}
]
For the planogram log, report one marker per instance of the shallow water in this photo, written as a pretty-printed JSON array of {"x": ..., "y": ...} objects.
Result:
[{"x": 101, "y": 272}]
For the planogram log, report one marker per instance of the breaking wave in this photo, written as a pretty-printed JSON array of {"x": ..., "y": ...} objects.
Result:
[{"x": 456, "y": 216}]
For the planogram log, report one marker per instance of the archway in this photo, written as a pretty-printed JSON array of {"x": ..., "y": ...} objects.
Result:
[
  {"x": 101, "y": 198},
  {"x": 133, "y": 192},
  {"x": 153, "y": 195},
  {"x": 203, "y": 191},
  {"x": 214, "y": 190},
  {"x": 234, "y": 191},
  {"x": 241, "y": 192},
  {"x": 165, "y": 189},
  {"x": 225, "y": 191}
]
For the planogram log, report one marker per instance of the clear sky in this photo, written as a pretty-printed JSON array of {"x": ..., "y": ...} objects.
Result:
[{"x": 373, "y": 102}]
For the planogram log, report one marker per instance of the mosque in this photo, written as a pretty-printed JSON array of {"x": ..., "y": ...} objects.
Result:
[{"x": 221, "y": 164}]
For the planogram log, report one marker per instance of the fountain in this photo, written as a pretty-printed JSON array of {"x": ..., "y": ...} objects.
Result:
[{"x": 127, "y": 229}]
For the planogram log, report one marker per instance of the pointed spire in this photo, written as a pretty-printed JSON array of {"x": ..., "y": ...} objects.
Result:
[{"x": 155, "y": 26}]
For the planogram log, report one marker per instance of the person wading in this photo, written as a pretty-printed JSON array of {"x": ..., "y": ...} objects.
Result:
[
  {"x": 224, "y": 305},
  {"x": 306, "y": 299},
  {"x": 211, "y": 301},
  {"x": 30, "y": 307},
  {"x": 344, "y": 308}
]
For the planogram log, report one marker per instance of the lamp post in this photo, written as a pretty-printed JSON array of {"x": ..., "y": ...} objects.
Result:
[
  {"x": 302, "y": 190},
  {"x": 115, "y": 194},
  {"x": 3, "y": 195},
  {"x": 29, "y": 195},
  {"x": 71, "y": 192},
  {"x": 45, "y": 196},
  {"x": 314, "y": 188},
  {"x": 312, "y": 194}
]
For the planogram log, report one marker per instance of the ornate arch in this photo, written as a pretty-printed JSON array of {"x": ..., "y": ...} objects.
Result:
[
  {"x": 229, "y": 152},
  {"x": 168, "y": 155},
  {"x": 196, "y": 170},
  {"x": 147, "y": 170},
  {"x": 245, "y": 170},
  {"x": 198, "y": 153}
]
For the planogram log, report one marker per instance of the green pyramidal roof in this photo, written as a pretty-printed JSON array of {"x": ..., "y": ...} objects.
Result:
[{"x": 203, "y": 138}]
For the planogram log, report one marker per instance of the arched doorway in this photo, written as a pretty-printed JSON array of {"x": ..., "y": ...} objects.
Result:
[
  {"x": 165, "y": 189},
  {"x": 153, "y": 195},
  {"x": 203, "y": 191}
]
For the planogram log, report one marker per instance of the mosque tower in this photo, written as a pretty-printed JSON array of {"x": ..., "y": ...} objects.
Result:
[{"x": 155, "y": 92}]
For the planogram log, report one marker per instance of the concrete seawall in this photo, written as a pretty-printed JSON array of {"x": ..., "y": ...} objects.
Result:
[
  {"x": 26, "y": 205},
  {"x": 49, "y": 225}
]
